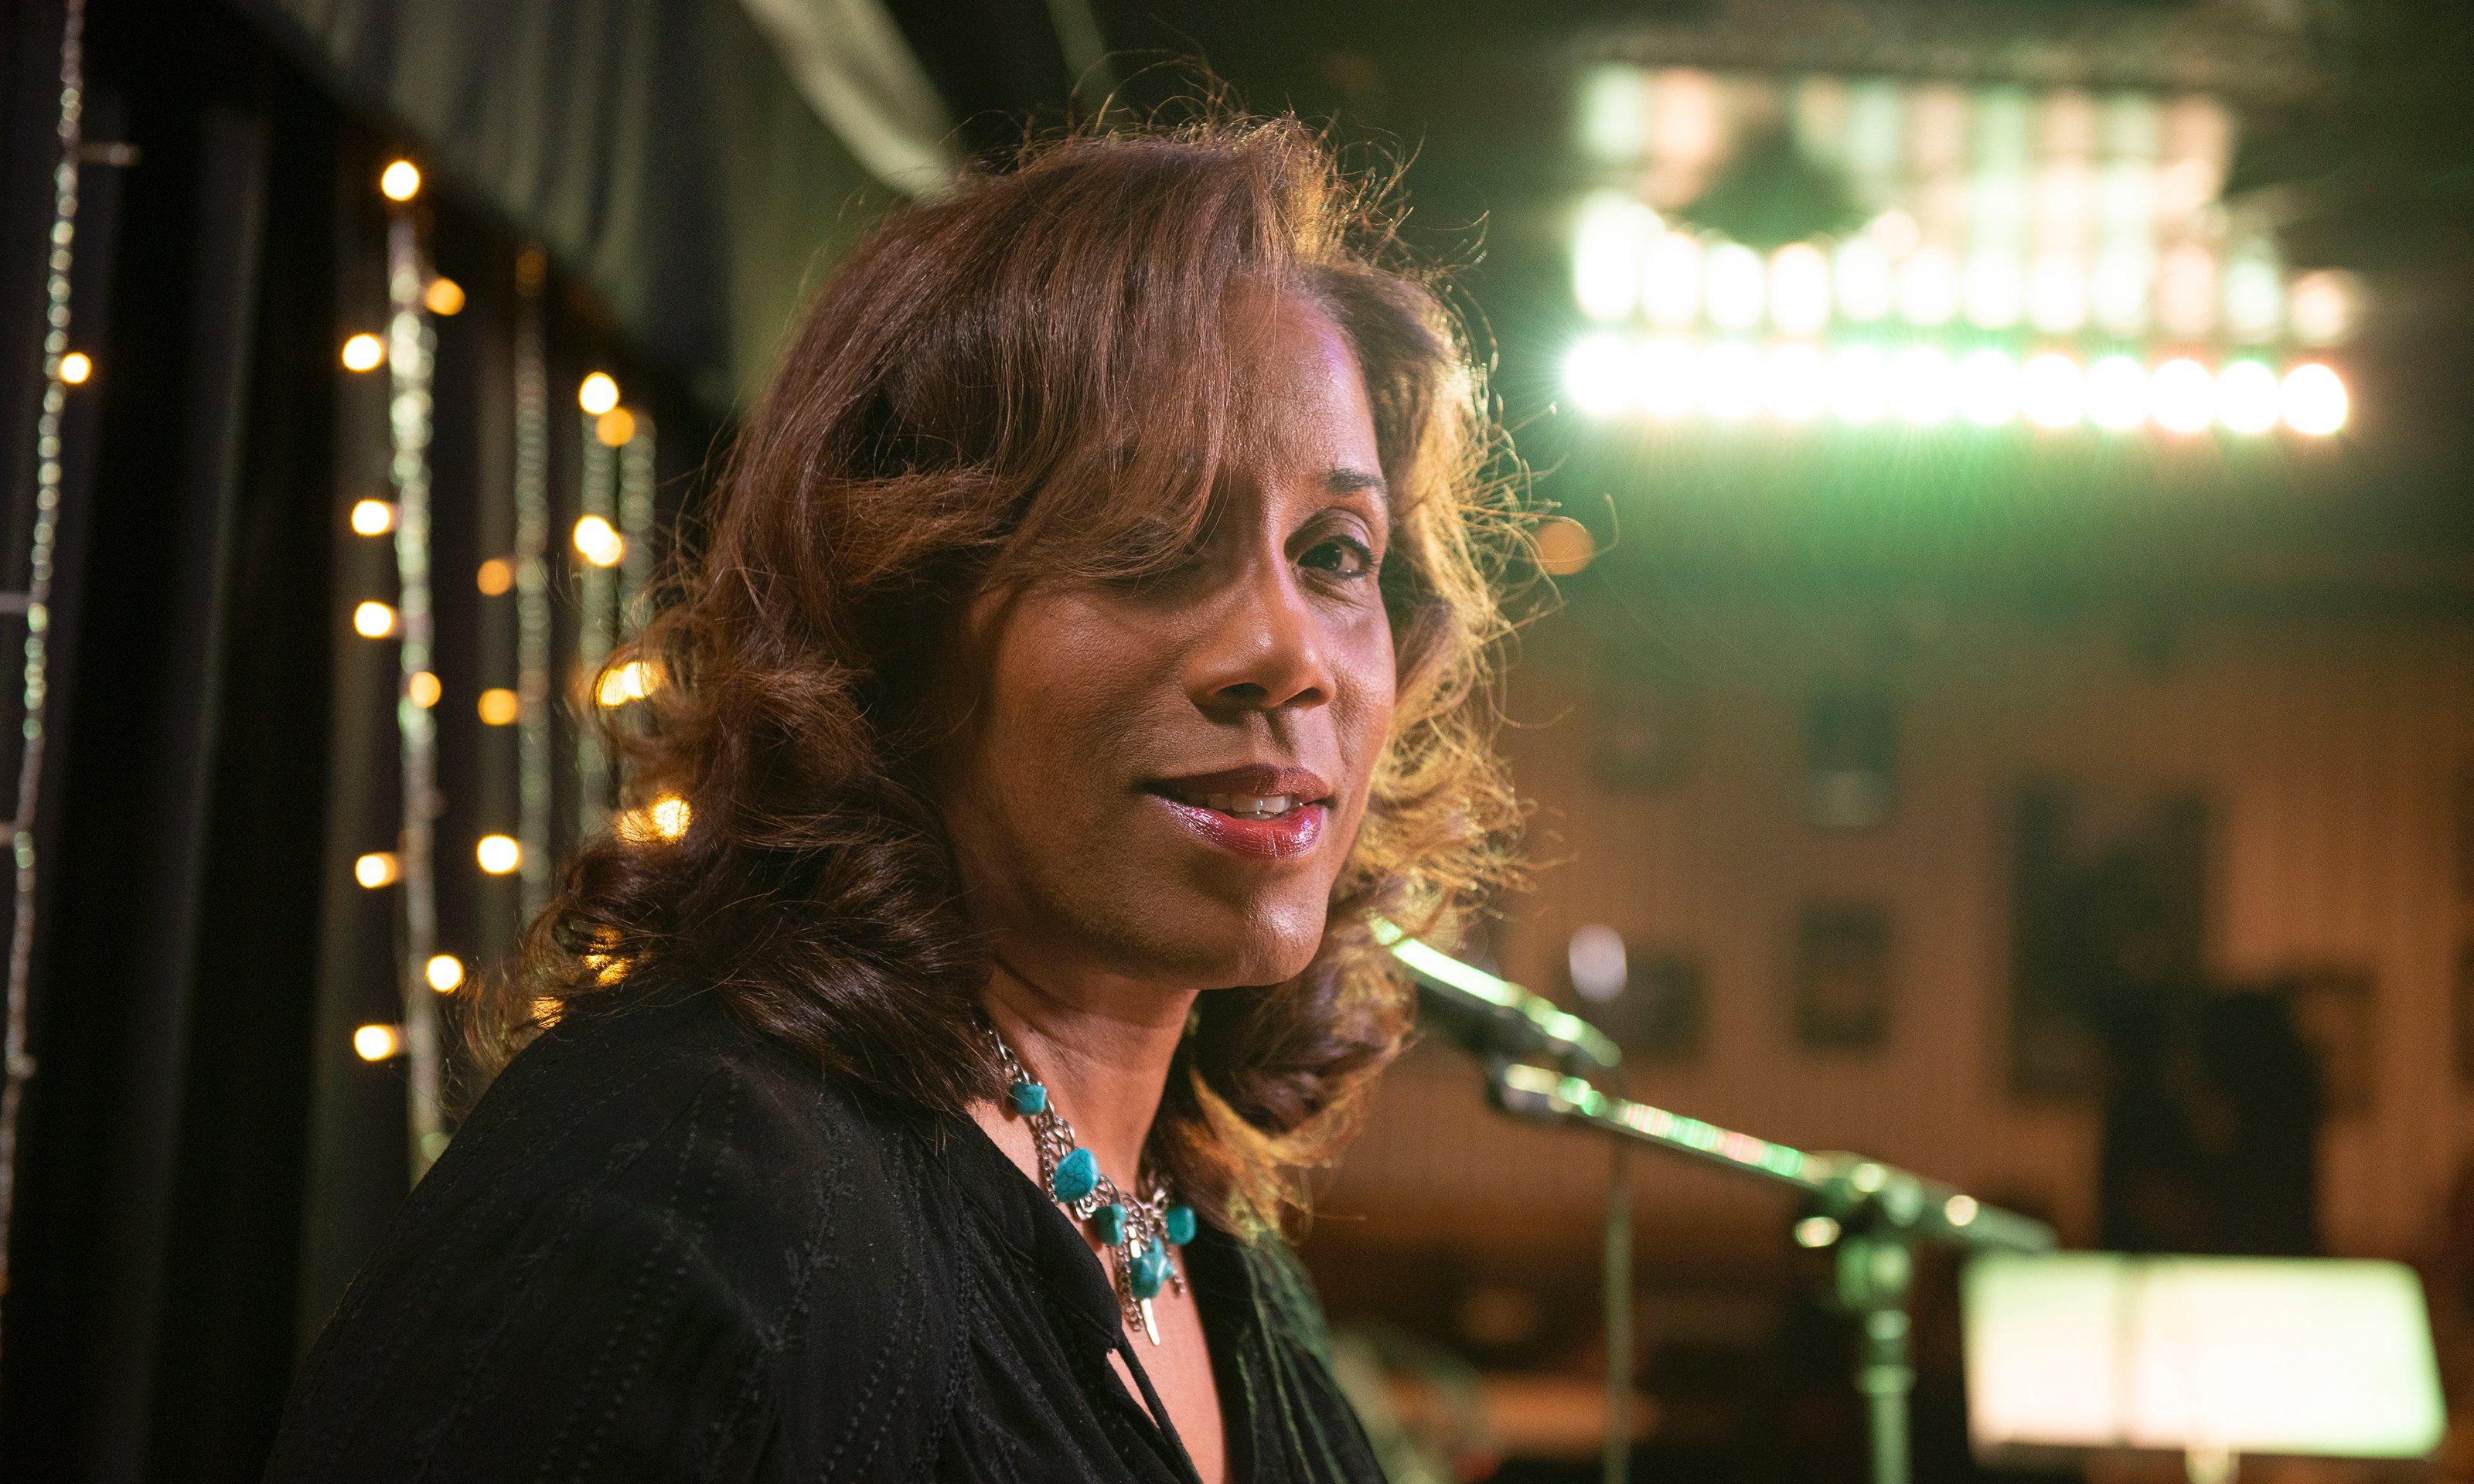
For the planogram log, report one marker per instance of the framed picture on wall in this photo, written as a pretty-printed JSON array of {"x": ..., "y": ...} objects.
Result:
[
  {"x": 1649, "y": 1000},
  {"x": 1841, "y": 989}
]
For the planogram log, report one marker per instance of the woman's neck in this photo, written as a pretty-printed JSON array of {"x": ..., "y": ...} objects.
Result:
[{"x": 1101, "y": 1049}]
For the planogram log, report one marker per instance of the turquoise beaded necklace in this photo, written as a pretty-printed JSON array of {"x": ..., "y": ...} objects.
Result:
[{"x": 1137, "y": 1233}]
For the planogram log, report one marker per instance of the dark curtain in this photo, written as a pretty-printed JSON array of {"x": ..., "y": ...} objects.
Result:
[{"x": 203, "y": 1161}]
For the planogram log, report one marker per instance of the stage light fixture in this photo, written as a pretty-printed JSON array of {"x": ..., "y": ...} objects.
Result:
[
  {"x": 373, "y": 517},
  {"x": 2246, "y": 398},
  {"x": 597, "y": 394},
  {"x": 445, "y": 972},
  {"x": 2117, "y": 393},
  {"x": 364, "y": 352},
  {"x": 377, "y": 1043},
  {"x": 2053, "y": 392},
  {"x": 374, "y": 620},
  {"x": 499, "y": 706},
  {"x": 75, "y": 366},
  {"x": 399, "y": 180},
  {"x": 2315, "y": 399},
  {"x": 377, "y": 869},
  {"x": 2182, "y": 395}
]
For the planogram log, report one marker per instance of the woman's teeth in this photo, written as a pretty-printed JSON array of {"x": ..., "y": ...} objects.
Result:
[{"x": 1249, "y": 806}]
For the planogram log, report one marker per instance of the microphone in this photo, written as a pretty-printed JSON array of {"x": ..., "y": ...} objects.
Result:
[{"x": 1492, "y": 1018}]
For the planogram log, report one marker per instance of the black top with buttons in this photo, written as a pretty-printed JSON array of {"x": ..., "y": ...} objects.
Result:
[{"x": 665, "y": 1247}]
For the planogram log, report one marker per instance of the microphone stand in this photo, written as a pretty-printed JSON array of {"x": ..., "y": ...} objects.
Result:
[{"x": 1873, "y": 1215}]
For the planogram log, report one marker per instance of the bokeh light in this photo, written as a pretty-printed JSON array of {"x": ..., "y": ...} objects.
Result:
[
  {"x": 2117, "y": 393},
  {"x": 499, "y": 854},
  {"x": 372, "y": 620},
  {"x": 2315, "y": 400},
  {"x": 1988, "y": 388},
  {"x": 599, "y": 542},
  {"x": 597, "y": 394},
  {"x": 373, "y": 517},
  {"x": 2182, "y": 395},
  {"x": 2246, "y": 398},
  {"x": 377, "y": 1043},
  {"x": 2053, "y": 391},
  {"x": 399, "y": 180},
  {"x": 364, "y": 352}
]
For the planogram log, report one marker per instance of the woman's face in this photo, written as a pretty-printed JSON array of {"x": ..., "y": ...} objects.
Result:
[{"x": 1161, "y": 780}]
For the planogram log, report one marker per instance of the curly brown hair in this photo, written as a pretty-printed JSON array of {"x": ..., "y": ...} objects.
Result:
[{"x": 974, "y": 390}]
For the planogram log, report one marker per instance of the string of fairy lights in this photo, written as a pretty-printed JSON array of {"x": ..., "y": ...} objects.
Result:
[
  {"x": 63, "y": 369},
  {"x": 610, "y": 568}
]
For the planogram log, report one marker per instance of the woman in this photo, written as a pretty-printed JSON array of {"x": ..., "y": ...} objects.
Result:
[{"x": 1085, "y": 642}]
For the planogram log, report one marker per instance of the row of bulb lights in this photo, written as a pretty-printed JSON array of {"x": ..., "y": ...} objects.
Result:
[
  {"x": 662, "y": 819},
  {"x": 1609, "y": 373}
]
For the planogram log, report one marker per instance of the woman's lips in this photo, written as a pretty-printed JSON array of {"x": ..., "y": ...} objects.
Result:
[{"x": 1277, "y": 837}]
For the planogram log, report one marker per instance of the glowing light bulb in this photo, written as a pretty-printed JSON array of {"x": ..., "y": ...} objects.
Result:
[
  {"x": 1988, "y": 388},
  {"x": 1730, "y": 382},
  {"x": 373, "y": 517},
  {"x": 377, "y": 1043},
  {"x": 399, "y": 180},
  {"x": 2053, "y": 392},
  {"x": 1797, "y": 381},
  {"x": 423, "y": 688},
  {"x": 444, "y": 297},
  {"x": 364, "y": 352},
  {"x": 375, "y": 870},
  {"x": 2246, "y": 398},
  {"x": 499, "y": 854},
  {"x": 1924, "y": 386},
  {"x": 598, "y": 542},
  {"x": 2182, "y": 395},
  {"x": 597, "y": 394},
  {"x": 614, "y": 427},
  {"x": 499, "y": 706},
  {"x": 1597, "y": 372},
  {"x": 2315, "y": 401},
  {"x": 445, "y": 972},
  {"x": 1860, "y": 385},
  {"x": 495, "y": 577},
  {"x": 2117, "y": 393},
  {"x": 374, "y": 620},
  {"x": 75, "y": 366}
]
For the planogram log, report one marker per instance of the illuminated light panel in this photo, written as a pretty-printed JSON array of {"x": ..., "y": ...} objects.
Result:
[
  {"x": 2246, "y": 398},
  {"x": 1798, "y": 383},
  {"x": 2182, "y": 395},
  {"x": 75, "y": 366},
  {"x": 599, "y": 542},
  {"x": 377, "y": 869},
  {"x": 2117, "y": 393},
  {"x": 1866, "y": 288},
  {"x": 1736, "y": 287},
  {"x": 499, "y": 706},
  {"x": 1988, "y": 388},
  {"x": 399, "y": 180},
  {"x": 2053, "y": 391},
  {"x": 364, "y": 352},
  {"x": 1730, "y": 382},
  {"x": 597, "y": 394},
  {"x": 1924, "y": 386},
  {"x": 1670, "y": 281},
  {"x": 445, "y": 972},
  {"x": 1665, "y": 381},
  {"x": 1860, "y": 385},
  {"x": 1798, "y": 289},
  {"x": 1928, "y": 288},
  {"x": 377, "y": 1043},
  {"x": 373, "y": 517},
  {"x": 1609, "y": 246},
  {"x": 499, "y": 854},
  {"x": 2315, "y": 400},
  {"x": 1597, "y": 372},
  {"x": 374, "y": 620},
  {"x": 1995, "y": 292}
]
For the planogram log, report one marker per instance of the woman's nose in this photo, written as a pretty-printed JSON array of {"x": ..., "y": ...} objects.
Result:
[{"x": 1262, "y": 647}]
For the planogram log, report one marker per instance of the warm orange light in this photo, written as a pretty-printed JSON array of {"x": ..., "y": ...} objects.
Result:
[
  {"x": 375, "y": 870},
  {"x": 500, "y": 707},
  {"x": 499, "y": 854},
  {"x": 665, "y": 818},
  {"x": 363, "y": 353},
  {"x": 1565, "y": 546},
  {"x": 444, "y": 296},
  {"x": 377, "y": 1043},
  {"x": 374, "y": 620},
  {"x": 495, "y": 578},
  {"x": 629, "y": 682},
  {"x": 614, "y": 427},
  {"x": 75, "y": 366},
  {"x": 598, "y": 542},
  {"x": 423, "y": 688},
  {"x": 399, "y": 180},
  {"x": 597, "y": 394},
  {"x": 445, "y": 972},
  {"x": 373, "y": 517}
]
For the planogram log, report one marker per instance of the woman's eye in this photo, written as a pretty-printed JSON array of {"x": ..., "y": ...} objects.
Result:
[{"x": 1344, "y": 556}]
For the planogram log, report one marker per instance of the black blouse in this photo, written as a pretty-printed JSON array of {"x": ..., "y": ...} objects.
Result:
[{"x": 665, "y": 1247}]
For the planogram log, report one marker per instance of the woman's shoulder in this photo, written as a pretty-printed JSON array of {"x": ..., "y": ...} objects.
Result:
[{"x": 654, "y": 1222}]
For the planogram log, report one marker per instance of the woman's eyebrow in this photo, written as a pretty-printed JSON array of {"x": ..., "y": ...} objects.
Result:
[{"x": 1348, "y": 481}]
